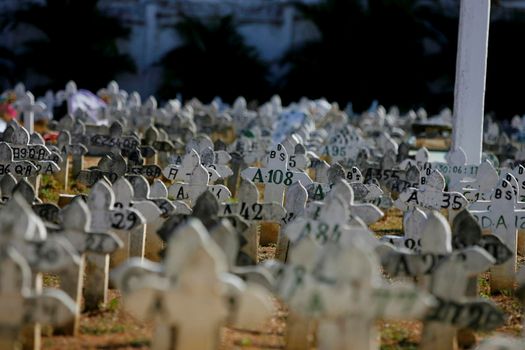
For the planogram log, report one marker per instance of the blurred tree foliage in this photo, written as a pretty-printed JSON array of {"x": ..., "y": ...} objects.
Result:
[
  {"x": 73, "y": 40},
  {"x": 364, "y": 53},
  {"x": 213, "y": 61},
  {"x": 401, "y": 52}
]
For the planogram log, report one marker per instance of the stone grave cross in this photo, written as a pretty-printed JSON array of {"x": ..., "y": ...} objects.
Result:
[
  {"x": 275, "y": 176},
  {"x": 194, "y": 282},
  {"x": 431, "y": 194},
  {"x": 503, "y": 218},
  {"x": 27, "y": 106}
]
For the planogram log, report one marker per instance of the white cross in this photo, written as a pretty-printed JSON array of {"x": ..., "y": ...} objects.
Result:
[
  {"x": 470, "y": 78},
  {"x": 197, "y": 184},
  {"x": 413, "y": 221},
  {"x": 133, "y": 234},
  {"x": 503, "y": 218},
  {"x": 183, "y": 171},
  {"x": 276, "y": 177},
  {"x": 21, "y": 305},
  {"x": 431, "y": 194},
  {"x": 341, "y": 286},
  {"x": 28, "y": 107},
  {"x": 195, "y": 281},
  {"x": 64, "y": 95}
]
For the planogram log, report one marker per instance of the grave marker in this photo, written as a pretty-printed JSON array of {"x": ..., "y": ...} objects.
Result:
[
  {"x": 503, "y": 219},
  {"x": 276, "y": 177},
  {"x": 195, "y": 262}
]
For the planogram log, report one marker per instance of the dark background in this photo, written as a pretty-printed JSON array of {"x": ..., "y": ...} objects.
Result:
[{"x": 398, "y": 52}]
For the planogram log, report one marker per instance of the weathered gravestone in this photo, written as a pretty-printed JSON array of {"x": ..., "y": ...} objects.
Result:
[{"x": 193, "y": 282}]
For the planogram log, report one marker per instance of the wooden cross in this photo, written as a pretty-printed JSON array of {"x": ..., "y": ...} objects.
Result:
[
  {"x": 152, "y": 137},
  {"x": 418, "y": 160},
  {"x": 113, "y": 93},
  {"x": 329, "y": 222},
  {"x": 413, "y": 221},
  {"x": 27, "y": 106},
  {"x": 111, "y": 165},
  {"x": 197, "y": 184},
  {"x": 182, "y": 172},
  {"x": 136, "y": 166},
  {"x": 431, "y": 194},
  {"x": 23, "y": 306},
  {"x": 25, "y": 232},
  {"x": 151, "y": 211},
  {"x": 485, "y": 181},
  {"x": 519, "y": 173},
  {"x": 131, "y": 221},
  {"x": 297, "y": 159},
  {"x": 466, "y": 232},
  {"x": 341, "y": 286},
  {"x": 253, "y": 211},
  {"x": 503, "y": 219},
  {"x": 249, "y": 207},
  {"x": 159, "y": 195},
  {"x": 19, "y": 169},
  {"x": 7, "y": 184},
  {"x": 295, "y": 203},
  {"x": 48, "y": 212},
  {"x": 100, "y": 203},
  {"x": 437, "y": 259},
  {"x": 112, "y": 140},
  {"x": 76, "y": 150},
  {"x": 207, "y": 210},
  {"x": 276, "y": 177},
  {"x": 64, "y": 95},
  {"x": 75, "y": 223},
  {"x": 175, "y": 299},
  {"x": 216, "y": 160}
]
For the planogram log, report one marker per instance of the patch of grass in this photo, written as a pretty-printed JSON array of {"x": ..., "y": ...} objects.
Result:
[
  {"x": 483, "y": 284},
  {"x": 101, "y": 329},
  {"x": 245, "y": 342},
  {"x": 51, "y": 280},
  {"x": 113, "y": 305},
  {"x": 76, "y": 187}
]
